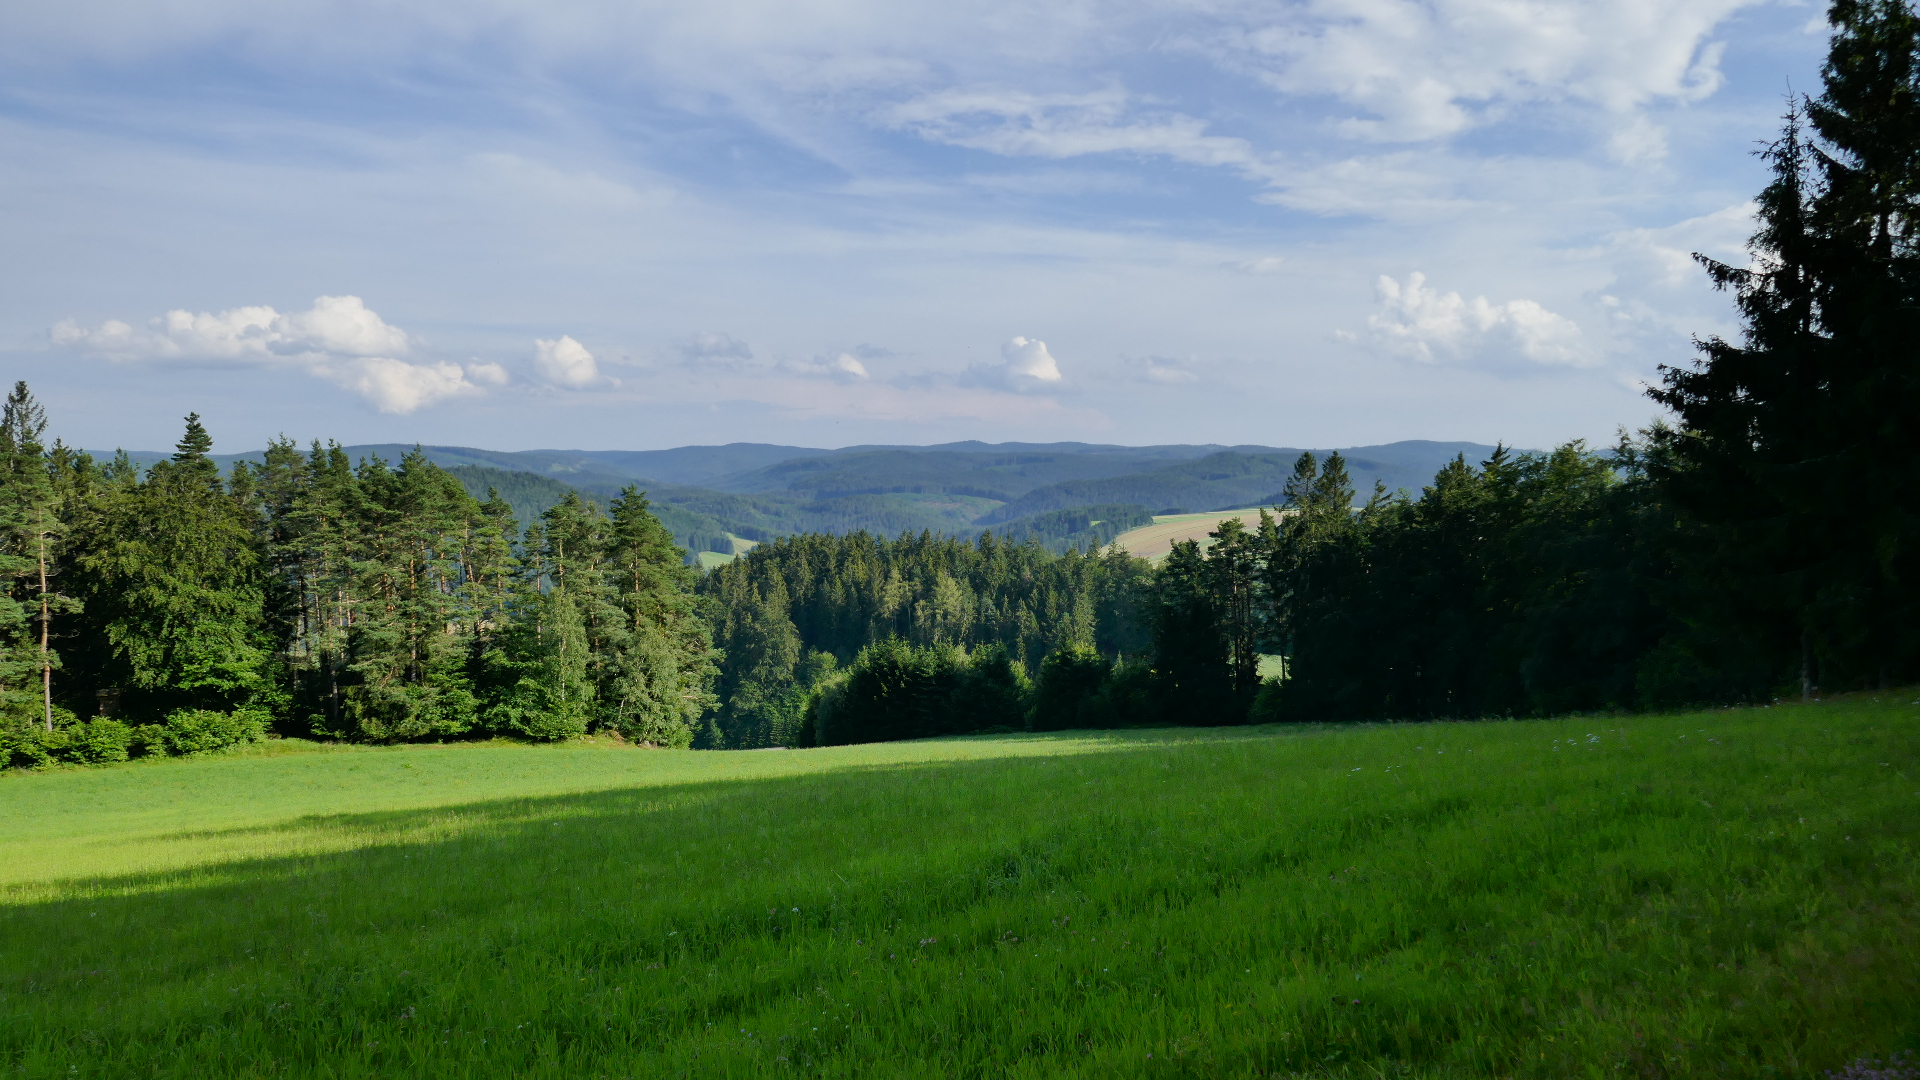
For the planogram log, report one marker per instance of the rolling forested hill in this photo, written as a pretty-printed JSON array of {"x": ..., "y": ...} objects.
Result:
[
  {"x": 532, "y": 495},
  {"x": 1059, "y": 494}
]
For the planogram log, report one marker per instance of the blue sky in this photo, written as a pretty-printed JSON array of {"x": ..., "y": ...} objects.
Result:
[{"x": 598, "y": 224}]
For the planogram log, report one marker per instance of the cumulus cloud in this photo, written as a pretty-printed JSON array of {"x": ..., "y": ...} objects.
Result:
[
  {"x": 335, "y": 325},
  {"x": 565, "y": 362},
  {"x": 1025, "y": 364},
  {"x": 338, "y": 339},
  {"x": 1423, "y": 324},
  {"x": 395, "y": 386},
  {"x": 340, "y": 325},
  {"x": 487, "y": 374}
]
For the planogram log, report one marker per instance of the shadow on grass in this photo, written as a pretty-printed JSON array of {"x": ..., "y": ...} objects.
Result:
[{"x": 321, "y": 844}]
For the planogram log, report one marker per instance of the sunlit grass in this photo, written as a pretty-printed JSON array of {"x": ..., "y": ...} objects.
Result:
[
  {"x": 1726, "y": 893},
  {"x": 288, "y": 796}
]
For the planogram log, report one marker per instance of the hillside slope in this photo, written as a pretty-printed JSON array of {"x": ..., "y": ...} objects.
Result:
[
  {"x": 1239, "y": 478},
  {"x": 1724, "y": 894},
  {"x": 759, "y": 491}
]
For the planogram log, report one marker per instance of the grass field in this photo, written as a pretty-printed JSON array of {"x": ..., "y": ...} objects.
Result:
[
  {"x": 1717, "y": 894},
  {"x": 1153, "y": 542}
]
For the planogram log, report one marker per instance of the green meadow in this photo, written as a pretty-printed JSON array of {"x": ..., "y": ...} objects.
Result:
[{"x": 1727, "y": 893}]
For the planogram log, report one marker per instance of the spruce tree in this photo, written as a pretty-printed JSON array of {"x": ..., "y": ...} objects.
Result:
[
  {"x": 1791, "y": 444},
  {"x": 30, "y": 518},
  {"x": 659, "y": 669},
  {"x": 1192, "y": 660},
  {"x": 178, "y": 588},
  {"x": 407, "y": 646}
]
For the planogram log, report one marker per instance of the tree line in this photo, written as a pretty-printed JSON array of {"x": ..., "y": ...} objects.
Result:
[
  {"x": 179, "y": 610},
  {"x": 1761, "y": 542}
]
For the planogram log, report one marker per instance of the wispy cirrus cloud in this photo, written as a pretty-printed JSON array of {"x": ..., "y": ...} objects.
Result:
[{"x": 1109, "y": 121}]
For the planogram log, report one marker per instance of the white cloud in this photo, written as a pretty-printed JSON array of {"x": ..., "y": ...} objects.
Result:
[
  {"x": 340, "y": 325},
  {"x": 565, "y": 362},
  {"x": 1421, "y": 323},
  {"x": 1028, "y": 358},
  {"x": 338, "y": 339},
  {"x": 1401, "y": 185},
  {"x": 1025, "y": 364},
  {"x": 395, "y": 386},
  {"x": 1640, "y": 141},
  {"x": 1018, "y": 124},
  {"x": 487, "y": 374},
  {"x": 334, "y": 326},
  {"x": 845, "y": 368},
  {"x": 1426, "y": 69},
  {"x": 1658, "y": 297}
]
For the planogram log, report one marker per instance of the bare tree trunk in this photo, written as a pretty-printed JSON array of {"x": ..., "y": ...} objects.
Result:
[
  {"x": 1806, "y": 664},
  {"x": 46, "y": 619}
]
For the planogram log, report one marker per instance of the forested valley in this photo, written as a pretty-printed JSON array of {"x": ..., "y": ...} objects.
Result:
[{"x": 1759, "y": 543}]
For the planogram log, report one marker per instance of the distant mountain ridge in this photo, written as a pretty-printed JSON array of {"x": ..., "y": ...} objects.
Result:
[{"x": 709, "y": 495}]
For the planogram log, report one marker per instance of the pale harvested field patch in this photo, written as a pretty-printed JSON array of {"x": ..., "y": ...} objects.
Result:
[{"x": 1156, "y": 540}]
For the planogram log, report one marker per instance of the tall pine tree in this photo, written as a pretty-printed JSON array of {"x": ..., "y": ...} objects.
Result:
[
  {"x": 178, "y": 586},
  {"x": 1794, "y": 447},
  {"x": 31, "y": 529}
]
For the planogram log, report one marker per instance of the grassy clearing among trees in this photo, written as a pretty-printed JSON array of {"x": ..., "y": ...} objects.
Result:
[{"x": 1726, "y": 893}]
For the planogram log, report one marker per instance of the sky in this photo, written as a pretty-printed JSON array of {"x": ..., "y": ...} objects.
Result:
[{"x": 628, "y": 224}]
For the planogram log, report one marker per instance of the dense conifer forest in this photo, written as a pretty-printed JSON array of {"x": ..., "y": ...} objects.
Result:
[{"x": 1762, "y": 542}]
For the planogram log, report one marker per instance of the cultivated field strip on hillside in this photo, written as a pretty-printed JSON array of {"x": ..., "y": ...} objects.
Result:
[{"x": 1155, "y": 540}]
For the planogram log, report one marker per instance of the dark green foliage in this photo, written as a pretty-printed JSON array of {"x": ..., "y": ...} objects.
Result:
[
  {"x": 1523, "y": 586},
  {"x": 897, "y": 690},
  {"x": 1792, "y": 447},
  {"x": 605, "y": 633},
  {"x": 201, "y": 731},
  {"x": 177, "y": 585},
  {"x": 759, "y": 493},
  {"x": 31, "y": 530},
  {"x": 1083, "y": 528},
  {"x": 893, "y": 690},
  {"x": 531, "y": 495},
  {"x": 1241, "y": 477},
  {"x": 992, "y": 693},
  {"x": 1068, "y": 692},
  {"x": 25, "y": 743},
  {"x": 838, "y": 595},
  {"x": 100, "y": 740},
  {"x": 315, "y": 595},
  {"x": 1192, "y": 648}
]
